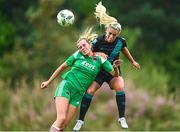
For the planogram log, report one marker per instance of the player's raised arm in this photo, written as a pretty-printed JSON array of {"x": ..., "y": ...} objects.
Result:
[{"x": 128, "y": 55}]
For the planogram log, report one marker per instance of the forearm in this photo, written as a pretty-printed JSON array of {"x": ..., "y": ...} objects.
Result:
[
  {"x": 57, "y": 72},
  {"x": 116, "y": 71},
  {"x": 116, "y": 64},
  {"x": 130, "y": 58},
  {"x": 128, "y": 54}
]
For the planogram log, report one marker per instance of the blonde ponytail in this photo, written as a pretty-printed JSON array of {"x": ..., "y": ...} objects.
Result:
[
  {"x": 104, "y": 18},
  {"x": 88, "y": 35}
]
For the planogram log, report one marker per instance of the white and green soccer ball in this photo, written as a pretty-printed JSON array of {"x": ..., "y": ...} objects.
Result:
[{"x": 65, "y": 17}]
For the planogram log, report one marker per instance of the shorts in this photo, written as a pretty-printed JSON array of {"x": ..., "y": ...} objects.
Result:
[
  {"x": 104, "y": 76},
  {"x": 67, "y": 90}
]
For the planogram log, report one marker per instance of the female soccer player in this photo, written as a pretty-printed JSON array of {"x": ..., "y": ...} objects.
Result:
[
  {"x": 84, "y": 67},
  {"x": 110, "y": 44}
]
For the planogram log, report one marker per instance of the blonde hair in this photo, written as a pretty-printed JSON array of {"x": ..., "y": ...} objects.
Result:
[
  {"x": 105, "y": 19},
  {"x": 88, "y": 35}
]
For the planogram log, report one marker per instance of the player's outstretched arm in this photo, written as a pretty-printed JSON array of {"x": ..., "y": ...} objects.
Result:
[
  {"x": 54, "y": 75},
  {"x": 128, "y": 55}
]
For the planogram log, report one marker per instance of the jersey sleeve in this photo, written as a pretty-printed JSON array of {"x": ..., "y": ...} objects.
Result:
[
  {"x": 106, "y": 65},
  {"x": 70, "y": 60},
  {"x": 124, "y": 43},
  {"x": 94, "y": 45},
  {"x": 94, "y": 41}
]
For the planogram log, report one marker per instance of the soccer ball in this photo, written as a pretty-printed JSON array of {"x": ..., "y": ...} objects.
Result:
[{"x": 65, "y": 17}]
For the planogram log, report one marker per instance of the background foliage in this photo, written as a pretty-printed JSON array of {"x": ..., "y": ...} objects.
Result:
[{"x": 32, "y": 45}]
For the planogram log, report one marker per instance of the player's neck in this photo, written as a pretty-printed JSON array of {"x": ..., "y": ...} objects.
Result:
[{"x": 90, "y": 54}]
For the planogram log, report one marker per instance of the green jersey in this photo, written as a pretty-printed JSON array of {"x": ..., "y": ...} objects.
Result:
[{"x": 84, "y": 69}]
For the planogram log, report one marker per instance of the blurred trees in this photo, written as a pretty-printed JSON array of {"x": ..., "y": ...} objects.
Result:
[
  {"x": 39, "y": 50},
  {"x": 159, "y": 22},
  {"x": 31, "y": 39},
  {"x": 14, "y": 22},
  {"x": 6, "y": 31}
]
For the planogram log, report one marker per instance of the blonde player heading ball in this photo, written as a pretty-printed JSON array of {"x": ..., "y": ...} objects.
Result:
[{"x": 85, "y": 65}]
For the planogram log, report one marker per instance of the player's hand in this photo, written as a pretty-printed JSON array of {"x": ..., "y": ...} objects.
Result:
[
  {"x": 44, "y": 84},
  {"x": 136, "y": 65},
  {"x": 103, "y": 55},
  {"x": 117, "y": 63}
]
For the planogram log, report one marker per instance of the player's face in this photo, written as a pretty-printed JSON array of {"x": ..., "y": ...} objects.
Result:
[
  {"x": 84, "y": 47},
  {"x": 111, "y": 34}
]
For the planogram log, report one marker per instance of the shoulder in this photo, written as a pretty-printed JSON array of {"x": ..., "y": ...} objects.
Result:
[
  {"x": 121, "y": 39},
  {"x": 100, "y": 38},
  {"x": 101, "y": 58},
  {"x": 77, "y": 54}
]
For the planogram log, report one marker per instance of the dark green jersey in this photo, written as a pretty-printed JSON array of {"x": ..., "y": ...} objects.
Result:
[{"x": 84, "y": 69}]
